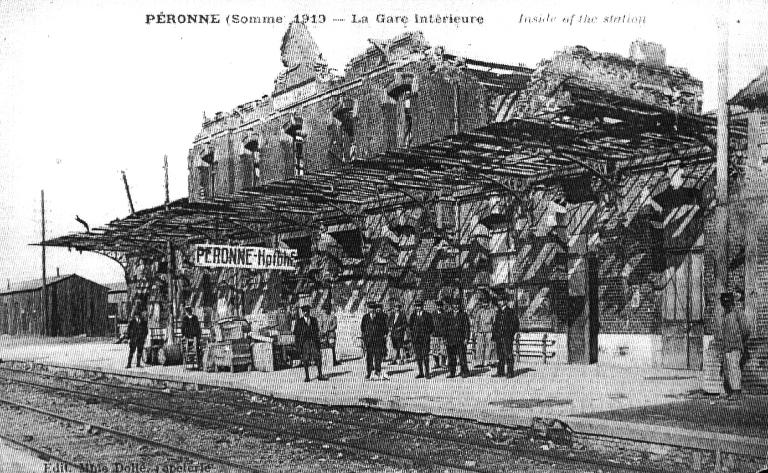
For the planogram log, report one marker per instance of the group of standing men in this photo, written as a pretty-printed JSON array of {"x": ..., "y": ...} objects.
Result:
[{"x": 444, "y": 334}]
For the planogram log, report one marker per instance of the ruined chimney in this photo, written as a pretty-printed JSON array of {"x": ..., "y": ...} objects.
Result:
[
  {"x": 57, "y": 272},
  {"x": 653, "y": 54}
]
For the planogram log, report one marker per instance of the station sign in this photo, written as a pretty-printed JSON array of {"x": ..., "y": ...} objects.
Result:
[{"x": 245, "y": 257}]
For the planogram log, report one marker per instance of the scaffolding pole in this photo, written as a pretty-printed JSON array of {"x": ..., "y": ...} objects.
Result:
[{"x": 721, "y": 210}]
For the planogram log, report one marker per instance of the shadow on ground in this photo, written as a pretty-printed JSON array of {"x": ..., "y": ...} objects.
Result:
[
  {"x": 747, "y": 416},
  {"x": 333, "y": 375},
  {"x": 531, "y": 403}
]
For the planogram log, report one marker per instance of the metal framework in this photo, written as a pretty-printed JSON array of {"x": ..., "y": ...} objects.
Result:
[{"x": 597, "y": 133}]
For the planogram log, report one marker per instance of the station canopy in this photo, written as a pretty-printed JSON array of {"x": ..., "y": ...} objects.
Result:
[{"x": 597, "y": 133}]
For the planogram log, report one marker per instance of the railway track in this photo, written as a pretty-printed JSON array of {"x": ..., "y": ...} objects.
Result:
[
  {"x": 367, "y": 436},
  {"x": 184, "y": 454},
  {"x": 40, "y": 453}
]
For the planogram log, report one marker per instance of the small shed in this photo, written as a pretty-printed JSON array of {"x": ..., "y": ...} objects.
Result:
[
  {"x": 75, "y": 306},
  {"x": 117, "y": 301}
]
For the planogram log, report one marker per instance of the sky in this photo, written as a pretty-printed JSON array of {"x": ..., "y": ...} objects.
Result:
[{"x": 89, "y": 89}]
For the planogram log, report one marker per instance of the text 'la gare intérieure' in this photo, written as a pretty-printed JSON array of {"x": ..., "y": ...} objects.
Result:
[{"x": 162, "y": 18}]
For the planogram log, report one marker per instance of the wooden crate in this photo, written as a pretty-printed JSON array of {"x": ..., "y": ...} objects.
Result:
[
  {"x": 262, "y": 356},
  {"x": 230, "y": 354}
]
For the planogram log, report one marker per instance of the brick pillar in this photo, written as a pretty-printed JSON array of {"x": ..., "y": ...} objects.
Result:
[
  {"x": 756, "y": 232},
  {"x": 755, "y": 372}
]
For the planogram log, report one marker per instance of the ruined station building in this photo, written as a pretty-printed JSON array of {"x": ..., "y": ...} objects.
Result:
[{"x": 619, "y": 282}]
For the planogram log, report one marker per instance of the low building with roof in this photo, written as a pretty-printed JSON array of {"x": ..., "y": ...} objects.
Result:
[{"x": 75, "y": 306}]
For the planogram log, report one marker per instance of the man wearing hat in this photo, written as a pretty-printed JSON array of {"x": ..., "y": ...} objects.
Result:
[
  {"x": 506, "y": 325},
  {"x": 398, "y": 324},
  {"x": 190, "y": 329},
  {"x": 483, "y": 332},
  {"x": 733, "y": 342},
  {"x": 328, "y": 325},
  {"x": 421, "y": 330},
  {"x": 373, "y": 329},
  {"x": 307, "y": 335},
  {"x": 137, "y": 336},
  {"x": 456, "y": 337}
]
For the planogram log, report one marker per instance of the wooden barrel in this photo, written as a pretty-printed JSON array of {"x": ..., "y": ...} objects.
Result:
[
  {"x": 169, "y": 355},
  {"x": 149, "y": 357}
]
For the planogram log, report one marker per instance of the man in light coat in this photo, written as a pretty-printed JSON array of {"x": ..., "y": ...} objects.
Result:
[
  {"x": 733, "y": 342},
  {"x": 484, "y": 320},
  {"x": 328, "y": 325}
]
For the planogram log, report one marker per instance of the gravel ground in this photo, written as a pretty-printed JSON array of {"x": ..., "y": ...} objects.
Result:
[
  {"x": 277, "y": 452},
  {"x": 82, "y": 444}
]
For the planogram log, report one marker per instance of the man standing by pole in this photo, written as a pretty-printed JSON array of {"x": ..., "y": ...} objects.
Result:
[{"x": 733, "y": 342}]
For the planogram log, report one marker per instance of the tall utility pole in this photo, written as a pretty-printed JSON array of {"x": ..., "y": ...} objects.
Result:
[
  {"x": 44, "y": 303},
  {"x": 721, "y": 210}
]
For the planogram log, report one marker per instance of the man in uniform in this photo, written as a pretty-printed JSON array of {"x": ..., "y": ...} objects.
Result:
[
  {"x": 421, "y": 326},
  {"x": 137, "y": 335},
  {"x": 456, "y": 337},
  {"x": 307, "y": 335},
  {"x": 373, "y": 329},
  {"x": 505, "y": 327},
  {"x": 483, "y": 332},
  {"x": 733, "y": 342},
  {"x": 328, "y": 325}
]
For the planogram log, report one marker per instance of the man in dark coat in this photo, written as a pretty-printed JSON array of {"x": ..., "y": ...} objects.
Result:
[
  {"x": 422, "y": 327},
  {"x": 137, "y": 335},
  {"x": 456, "y": 337},
  {"x": 307, "y": 337},
  {"x": 190, "y": 325},
  {"x": 374, "y": 332},
  {"x": 506, "y": 325},
  {"x": 190, "y": 330}
]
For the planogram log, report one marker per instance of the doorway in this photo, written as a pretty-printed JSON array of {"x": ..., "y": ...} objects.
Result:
[
  {"x": 682, "y": 306},
  {"x": 584, "y": 323}
]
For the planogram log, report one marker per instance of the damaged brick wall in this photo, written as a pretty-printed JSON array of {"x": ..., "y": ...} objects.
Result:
[
  {"x": 445, "y": 98},
  {"x": 667, "y": 87}
]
